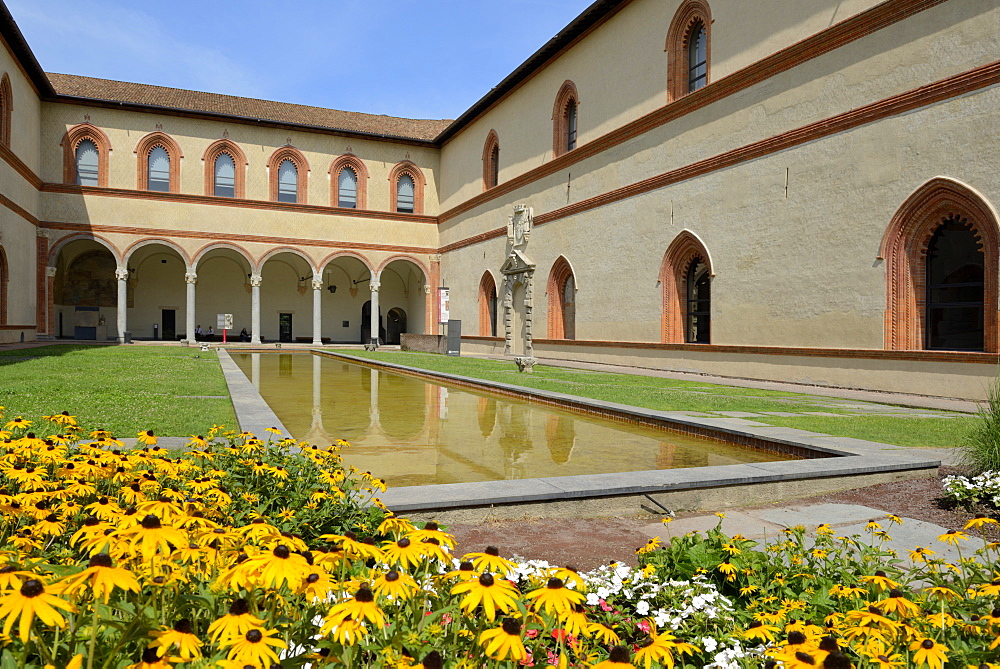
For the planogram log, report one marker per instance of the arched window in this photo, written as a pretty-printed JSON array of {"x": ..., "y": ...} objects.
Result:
[
  {"x": 699, "y": 303},
  {"x": 942, "y": 249},
  {"x": 158, "y": 175},
  {"x": 565, "y": 119},
  {"x": 225, "y": 170},
  {"x": 407, "y": 194},
  {"x": 685, "y": 278},
  {"x": 288, "y": 172},
  {"x": 225, "y": 176},
  {"x": 491, "y": 161},
  {"x": 689, "y": 49},
  {"x": 487, "y": 306},
  {"x": 347, "y": 188},
  {"x": 562, "y": 301},
  {"x": 6, "y": 109},
  {"x": 158, "y": 157},
  {"x": 288, "y": 182},
  {"x": 4, "y": 273},
  {"x": 85, "y": 156},
  {"x": 348, "y": 182}
]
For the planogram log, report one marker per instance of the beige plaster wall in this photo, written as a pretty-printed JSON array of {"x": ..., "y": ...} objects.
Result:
[
  {"x": 26, "y": 116},
  {"x": 795, "y": 271},
  {"x": 620, "y": 71},
  {"x": 126, "y": 128}
]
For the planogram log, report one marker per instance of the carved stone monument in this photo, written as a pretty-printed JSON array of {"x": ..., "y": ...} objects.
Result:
[{"x": 518, "y": 271}]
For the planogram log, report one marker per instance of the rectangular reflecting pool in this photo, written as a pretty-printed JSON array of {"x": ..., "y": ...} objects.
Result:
[{"x": 412, "y": 432}]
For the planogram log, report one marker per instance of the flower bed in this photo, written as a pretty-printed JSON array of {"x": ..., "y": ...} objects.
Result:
[{"x": 242, "y": 552}]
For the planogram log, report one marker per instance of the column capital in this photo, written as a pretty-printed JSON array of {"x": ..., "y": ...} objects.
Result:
[
  {"x": 50, "y": 271},
  {"x": 42, "y": 232},
  {"x": 317, "y": 283},
  {"x": 374, "y": 285},
  {"x": 190, "y": 277},
  {"x": 121, "y": 274},
  {"x": 255, "y": 280},
  {"x": 434, "y": 257}
]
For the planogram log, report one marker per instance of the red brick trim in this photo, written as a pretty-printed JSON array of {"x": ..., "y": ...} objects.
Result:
[
  {"x": 214, "y": 150},
  {"x": 150, "y": 241},
  {"x": 6, "y": 109},
  {"x": 17, "y": 327},
  {"x": 398, "y": 170},
  {"x": 688, "y": 15},
  {"x": 200, "y": 254},
  {"x": 18, "y": 209},
  {"x": 286, "y": 249},
  {"x": 567, "y": 93},
  {"x": 491, "y": 160},
  {"x": 4, "y": 277},
  {"x": 904, "y": 248},
  {"x": 861, "y": 354},
  {"x": 301, "y": 166},
  {"x": 408, "y": 258},
  {"x": 945, "y": 89},
  {"x": 87, "y": 235},
  {"x": 673, "y": 283},
  {"x": 352, "y": 161},
  {"x": 261, "y": 239},
  {"x": 41, "y": 283},
  {"x": 233, "y": 202},
  {"x": 560, "y": 273},
  {"x": 487, "y": 286},
  {"x": 71, "y": 140},
  {"x": 145, "y": 146},
  {"x": 349, "y": 254},
  {"x": 20, "y": 167},
  {"x": 854, "y": 28}
]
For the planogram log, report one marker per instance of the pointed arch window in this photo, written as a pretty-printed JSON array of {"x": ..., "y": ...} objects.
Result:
[
  {"x": 491, "y": 161},
  {"x": 348, "y": 182},
  {"x": 6, "y": 109},
  {"x": 407, "y": 194},
  {"x": 88, "y": 161},
  {"x": 288, "y": 182},
  {"x": 689, "y": 49},
  {"x": 955, "y": 270},
  {"x": 158, "y": 158},
  {"x": 225, "y": 176},
  {"x": 699, "y": 303},
  {"x": 685, "y": 278},
  {"x": 487, "y": 306},
  {"x": 565, "y": 119},
  {"x": 562, "y": 301},
  {"x": 85, "y": 156}
]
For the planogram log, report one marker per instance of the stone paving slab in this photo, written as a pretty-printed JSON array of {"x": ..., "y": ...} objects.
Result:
[
  {"x": 252, "y": 412},
  {"x": 913, "y": 533},
  {"x": 781, "y": 414},
  {"x": 738, "y": 414},
  {"x": 813, "y": 515},
  {"x": 735, "y": 522}
]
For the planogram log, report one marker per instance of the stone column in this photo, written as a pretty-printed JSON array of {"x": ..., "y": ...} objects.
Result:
[
  {"x": 190, "y": 278},
  {"x": 122, "y": 275},
  {"x": 374, "y": 316},
  {"x": 317, "y": 286},
  {"x": 317, "y": 408},
  {"x": 255, "y": 370},
  {"x": 50, "y": 302},
  {"x": 255, "y": 308},
  {"x": 373, "y": 412}
]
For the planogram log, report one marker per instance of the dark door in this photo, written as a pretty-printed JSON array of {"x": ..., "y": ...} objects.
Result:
[
  {"x": 284, "y": 327},
  {"x": 169, "y": 321},
  {"x": 366, "y": 324},
  {"x": 395, "y": 325}
]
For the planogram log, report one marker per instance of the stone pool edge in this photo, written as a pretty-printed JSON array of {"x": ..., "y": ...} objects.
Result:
[
  {"x": 842, "y": 463},
  {"x": 253, "y": 413}
]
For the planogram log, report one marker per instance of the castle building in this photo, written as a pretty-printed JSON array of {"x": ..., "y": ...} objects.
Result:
[{"x": 799, "y": 191}]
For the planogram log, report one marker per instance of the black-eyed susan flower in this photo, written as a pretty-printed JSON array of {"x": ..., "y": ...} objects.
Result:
[
  {"x": 887, "y": 660},
  {"x": 952, "y": 537},
  {"x": 618, "y": 658},
  {"x": 758, "y": 631},
  {"x": 555, "y": 597},
  {"x": 181, "y": 638},
  {"x": 504, "y": 641},
  {"x": 979, "y": 522},
  {"x": 151, "y": 659},
  {"x": 465, "y": 572},
  {"x": 494, "y": 595},
  {"x": 930, "y": 652},
  {"x": 490, "y": 560},
  {"x": 897, "y": 603},
  {"x": 279, "y": 566},
  {"x": 880, "y": 580},
  {"x": 255, "y": 648},
  {"x": 236, "y": 623},
  {"x": 395, "y": 585},
  {"x": 361, "y": 607},
  {"x": 147, "y": 438},
  {"x": 18, "y": 423},
  {"x": 151, "y": 535},
  {"x": 27, "y": 602},
  {"x": 405, "y": 552},
  {"x": 102, "y": 577}
]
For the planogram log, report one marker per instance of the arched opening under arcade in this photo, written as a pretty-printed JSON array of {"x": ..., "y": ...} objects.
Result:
[
  {"x": 85, "y": 291},
  {"x": 345, "y": 289},
  {"x": 286, "y": 298},
  {"x": 402, "y": 291},
  {"x": 158, "y": 301},
  {"x": 224, "y": 286}
]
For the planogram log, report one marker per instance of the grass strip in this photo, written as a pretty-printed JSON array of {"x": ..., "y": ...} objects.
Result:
[
  {"x": 171, "y": 390},
  {"x": 663, "y": 394}
]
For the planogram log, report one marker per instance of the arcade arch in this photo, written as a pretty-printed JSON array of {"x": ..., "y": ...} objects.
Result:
[
  {"x": 158, "y": 303},
  {"x": 401, "y": 290},
  {"x": 85, "y": 300},
  {"x": 223, "y": 282}
]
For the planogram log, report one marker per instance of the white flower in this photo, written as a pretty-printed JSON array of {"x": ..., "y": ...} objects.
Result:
[
  {"x": 593, "y": 599},
  {"x": 709, "y": 644},
  {"x": 642, "y": 608}
]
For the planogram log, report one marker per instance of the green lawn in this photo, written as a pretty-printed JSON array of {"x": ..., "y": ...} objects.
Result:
[
  {"x": 124, "y": 389},
  {"x": 677, "y": 395}
]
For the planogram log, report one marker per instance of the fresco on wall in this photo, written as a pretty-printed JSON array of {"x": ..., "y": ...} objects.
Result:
[{"x": 89, "y": 281}]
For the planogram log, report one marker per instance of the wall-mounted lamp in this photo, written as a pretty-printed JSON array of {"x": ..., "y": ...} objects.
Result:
[{"x": 332, "y": 288}]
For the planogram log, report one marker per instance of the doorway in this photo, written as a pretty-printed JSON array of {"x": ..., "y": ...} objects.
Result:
[
  {"x": 168, "y": 318},
  {"x": 366, "y": 324},
  {"x": 284, "y": 327},
  {"x": 395, "y": 325}
]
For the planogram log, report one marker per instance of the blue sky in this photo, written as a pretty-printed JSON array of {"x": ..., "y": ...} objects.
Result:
[{"x": 429, "y": 59}]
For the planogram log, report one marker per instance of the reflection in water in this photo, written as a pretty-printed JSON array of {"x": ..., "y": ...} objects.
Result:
[{"x": 413, "y": 433}]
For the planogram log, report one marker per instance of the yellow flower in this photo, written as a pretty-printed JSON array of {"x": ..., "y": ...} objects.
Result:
[
  {"x": 360, "y": 607},
  {"x": 236, "y": 623},
  {"x": 150, "y": 535},
  {"x": 504, "y": 641},
  {"x": 490, "y": 560},
  {"x": 254, "y": 648},
  {"x": 897, "y": 603},
  {"x": 760, "y": 632},
  {"x": 978, "y": 522},
  {"x": 147, "y": 438},
  {"x": 952, "y": 537},
  {"x": 395, "y": 585},
  {"x": 30, "y": 601},
  {"x": 182, "y": 637},
  {"x": 617, "y": 659},
  {"x": 405, "y": 553},
  {"x": 151, "y": 660},
  {"x": 102, "y": 577},
  {"x": 603, "y": 633},
  {"x": 555, "y": 597},
  {"x": 494, "y": 595},
  {"x": 929, "y": 652}
]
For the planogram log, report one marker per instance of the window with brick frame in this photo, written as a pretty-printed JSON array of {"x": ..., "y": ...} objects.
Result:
[
  {"x": 158, "y": 158},
  {"x": 561, "y": 291},
  {"x": 348, "y": 182},
  {"x": 86, "y": 147},
  {"x": 487, "y": 305},
  {"x": 491, "y": 161},
  {"x": 406, "y": 193},
  {"x": 685, "y": 281},
  {"x": 565, "y": 119},
  {"x": 689, "y": 49},
  {"x": 6, "y": 109},
  {"x": 225, "y": 169},
  {"x": 288, "y": 176}
]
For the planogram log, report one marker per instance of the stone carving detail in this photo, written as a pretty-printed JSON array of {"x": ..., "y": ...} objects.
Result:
[
  {"x": 50, "y": 271},
  {"x": 518, "y": 269},
  {"x": 317, "y": 283},
  {"x": 255, "y": 280},
  {"x": 519, "y": 225},
  {"x": 374, "y": 285},
  {"x": 121, "y": 274},
  {"x": 190, "y": 277}
]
